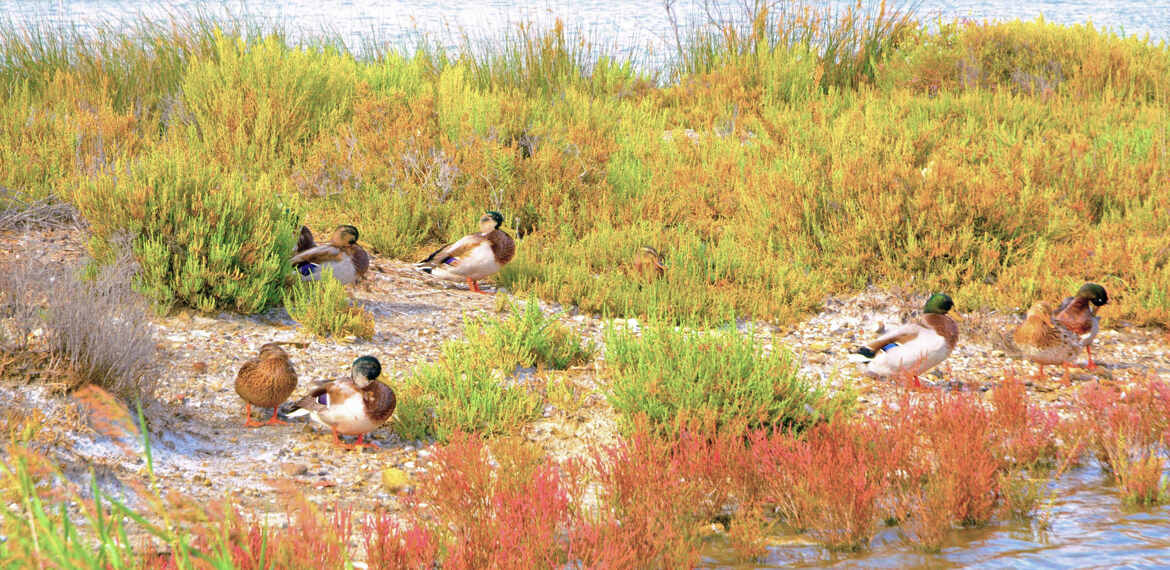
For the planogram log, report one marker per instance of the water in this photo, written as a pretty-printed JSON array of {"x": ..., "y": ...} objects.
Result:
[
  {"x": 638, "y": 28},
  {"x": 1089, "y": 527}
]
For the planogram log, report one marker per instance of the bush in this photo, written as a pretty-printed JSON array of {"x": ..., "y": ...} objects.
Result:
[
  {"x": 16, "y": 212},
  {"x": 203, "y": 237},
  {"x": 469, "y": 388},
  {"x": 674, "y": 376},
  {"x": 252, "y": 103},
  {"x": 1127, "y": 429},
  {"x": 527, "y": 337},
  {"x": 324, "y": 308},
  {"x": 97, "y": 328}
]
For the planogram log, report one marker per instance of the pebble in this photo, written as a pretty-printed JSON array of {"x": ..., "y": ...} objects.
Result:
[{"x": 294, "y": 469}]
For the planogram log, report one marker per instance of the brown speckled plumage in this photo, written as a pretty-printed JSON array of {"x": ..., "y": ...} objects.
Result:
[
  {"x": 1045, "y": 342},
  {"x": 268, "y": 380},
  {"x": 648, "y": 264},
  {"x": 502, "y": 245}
]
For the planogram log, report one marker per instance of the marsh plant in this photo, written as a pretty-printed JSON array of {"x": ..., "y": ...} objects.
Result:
[
  {"x": 479, "y": 383},
  {"x": 325, "y": 309},
  {"x": 91, "y": 331}
]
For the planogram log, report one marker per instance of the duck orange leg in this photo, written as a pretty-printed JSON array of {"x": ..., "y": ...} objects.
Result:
[
  {"x": 248, "y": 421},
  {"x": 1089, "y": 352},
  {"x": 1039, "y": 373},
  {"x": 474, "y": 286},
  {"x": 360, "y": 443},
  {"x": 273, "y": 421}
]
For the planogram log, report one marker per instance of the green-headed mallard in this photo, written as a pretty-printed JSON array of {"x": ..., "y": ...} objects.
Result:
[
  {"x": 916, "y": 346},
  {"x": 352, "y": 406},
  {"x": 266, "y": 381},
  {"x": 474, "y": 256},
  {"x": 1079, "y": 315},
  {"x": 347, "y": 259},
  {"x": 1043, "y": 341},
  {"x": 648, "y": 264}
]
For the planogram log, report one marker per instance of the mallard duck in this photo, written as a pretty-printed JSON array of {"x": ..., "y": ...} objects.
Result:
[
  {"x": 353, "y": 406},
  {"x": 916, "y": 346},
  {"x": 347, "y": 259},
  {"x": 1044, "y": 342},
  {"x": 266, "y": 381},
  {"x": 474, "y": 256},
  {"x": 1079, "y": 315},
  {"x": 648, "y": 264}
]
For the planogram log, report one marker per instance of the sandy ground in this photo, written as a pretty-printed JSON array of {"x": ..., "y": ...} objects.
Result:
[{"x": 202, "y": 450}]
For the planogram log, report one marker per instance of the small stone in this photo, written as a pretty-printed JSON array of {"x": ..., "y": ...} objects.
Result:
[
  {"x": 394, "y": 479},
  {"x": 294, "y": 469}
]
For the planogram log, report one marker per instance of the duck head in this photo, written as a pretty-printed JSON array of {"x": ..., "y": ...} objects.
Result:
[
  {"x": 489, "y": 221},
  {"x": 938, "y": 303},
  {"x": 365, "y": 370},
  {"x": 344, "y": 235},
  {"x": 1094, "y": 293}
]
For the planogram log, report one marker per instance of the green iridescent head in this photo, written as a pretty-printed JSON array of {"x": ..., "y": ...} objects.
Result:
[
  {"x": 939, "y": 303},
  {"x": 1094, "y": 293},
  {"x": 365, "y": 369}
]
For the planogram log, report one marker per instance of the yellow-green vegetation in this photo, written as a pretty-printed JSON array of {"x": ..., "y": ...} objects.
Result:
[
  {"x": 204, "y": 235},
  {"x": 675, "y": 378},
  {"x": 325, "y": 309},
  {"x": 484, "y": 383},
  {"x": 795, "y": 156}
]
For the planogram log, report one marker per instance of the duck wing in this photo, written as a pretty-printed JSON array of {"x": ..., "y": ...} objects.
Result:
[
  {"x": 900, "y": 335},
  {"x": 454, "y": 251},
  {"x": 319, "y": 254},
  {"x": 318, "y": 399}
]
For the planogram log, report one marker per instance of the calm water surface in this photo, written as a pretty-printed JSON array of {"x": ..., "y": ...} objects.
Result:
[
  {"x": 1089, "y": 526},
  {"x": 1089, "y": 529},
  {"x": 633, "y": 27}
]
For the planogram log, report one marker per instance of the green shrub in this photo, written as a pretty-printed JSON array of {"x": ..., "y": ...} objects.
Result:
[
  {"x": 205, "y": 238},
  {"x": 672, "y": 376},
  {"x": 526, "y": 338},
  {"x": 468, "y": 389},
  {"x": 459, "y": 395},
  {"x": 394, "y": 223},
  {"x": 255, "y": 102},
  {"x": 323, "y": 307}
]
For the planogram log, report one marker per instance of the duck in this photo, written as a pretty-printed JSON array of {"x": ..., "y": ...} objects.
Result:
[
  {"x": 266, "y": 381},
  {"x": 342, "y": 254},
  {"x": 1042, "y": 341},
  {"x": 351, "y": 406},
  {"x": 475, "y": 256},
  {"x": 916, "y": 346},
  {"x": 648, "y": 264},
  {"x": 1079, "y": 315}
]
